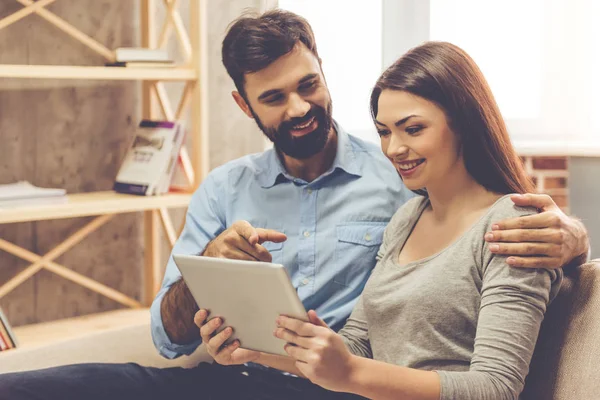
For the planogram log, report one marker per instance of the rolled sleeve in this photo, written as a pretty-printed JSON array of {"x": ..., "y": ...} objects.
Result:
[
  {"x": 204, "y": 221},
  {"x": 160, "y": 338}
]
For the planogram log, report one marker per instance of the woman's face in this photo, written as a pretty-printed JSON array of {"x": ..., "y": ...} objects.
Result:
[{"x": 416, "y": 138}]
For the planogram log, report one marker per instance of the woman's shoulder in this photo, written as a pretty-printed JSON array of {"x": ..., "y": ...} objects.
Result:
[{"x": 505, "y": 208}]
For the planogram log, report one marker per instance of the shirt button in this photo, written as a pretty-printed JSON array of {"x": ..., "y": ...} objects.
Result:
[
  {"x": 306, "y": 233},
  {"x": 305, "y": 281},
  {"x": 368, "y": 237},
  {"x": 309, "y": 191}
]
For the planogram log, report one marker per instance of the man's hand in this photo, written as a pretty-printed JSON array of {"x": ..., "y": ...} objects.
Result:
[
  {"x": 243, "y": 242},
  {"x": 549, "y": 239},
  {"x": 230, "y": 354}
]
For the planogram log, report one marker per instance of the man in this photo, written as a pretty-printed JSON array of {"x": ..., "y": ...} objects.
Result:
[{"x": 317, "y": 203}]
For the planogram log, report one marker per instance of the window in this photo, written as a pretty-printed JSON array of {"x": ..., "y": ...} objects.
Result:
[
  {"x": 506, "y": 45},
  {"x": 540, "y": 58}
]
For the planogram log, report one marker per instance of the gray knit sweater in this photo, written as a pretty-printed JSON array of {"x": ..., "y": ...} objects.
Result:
[{"x": 462, "y": 312}]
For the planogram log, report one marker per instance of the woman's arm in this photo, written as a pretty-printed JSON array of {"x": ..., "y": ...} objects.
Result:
[
  {"x": 322, "y": 356},
  {"x": 513, "y": 303},
  {"x": 378, "y": 380},
  {"x": 512, "y": 307}
]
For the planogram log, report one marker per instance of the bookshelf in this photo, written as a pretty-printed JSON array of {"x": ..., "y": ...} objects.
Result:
[
  {"x": 96, "y": 73},
  {"x": 94, "y": 203},
  {"x": 105, "y": 205}
]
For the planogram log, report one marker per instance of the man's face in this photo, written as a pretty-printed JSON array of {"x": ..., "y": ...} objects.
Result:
[{"x": 291, "y": 104}]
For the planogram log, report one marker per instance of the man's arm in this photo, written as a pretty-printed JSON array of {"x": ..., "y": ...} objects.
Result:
[
  {"x": 205, "y": 220},
  {"x": 549, "y": 239},
  {"x": 241, "y": 241},
  {"x": 177, "y": 311}
]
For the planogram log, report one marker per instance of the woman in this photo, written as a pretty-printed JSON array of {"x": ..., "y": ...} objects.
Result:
[{"x": 441, "y": 317}]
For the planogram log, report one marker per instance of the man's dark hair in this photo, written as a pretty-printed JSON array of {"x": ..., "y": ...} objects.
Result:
[{"x": 254, "y": 42}]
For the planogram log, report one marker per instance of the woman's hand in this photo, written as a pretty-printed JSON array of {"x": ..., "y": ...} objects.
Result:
[
  {"x": 230, "y": 354},
  {"x": 320, "y": 353}
]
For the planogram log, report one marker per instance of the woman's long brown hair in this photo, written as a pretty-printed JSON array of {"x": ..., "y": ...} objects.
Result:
[{"x": 445, "y": 75}]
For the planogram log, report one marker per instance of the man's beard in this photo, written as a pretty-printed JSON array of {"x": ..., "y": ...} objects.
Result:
[{"x": 305, "y": 146}]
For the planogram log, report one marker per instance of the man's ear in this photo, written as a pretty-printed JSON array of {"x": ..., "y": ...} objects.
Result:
[{"x": 242, "y": 103}]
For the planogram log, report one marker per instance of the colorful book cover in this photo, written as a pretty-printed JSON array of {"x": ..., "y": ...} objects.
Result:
[
  {"x": 3, "y": 345},
  {"x": 150, "y": 161},
  {"x": 8, "y": 328},
  {"x": 4, "y": 335}
]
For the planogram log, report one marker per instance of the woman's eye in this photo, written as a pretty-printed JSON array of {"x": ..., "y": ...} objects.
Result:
[
  {"x": 411, "y": 130},
  {"x": 383, "y": 133}
]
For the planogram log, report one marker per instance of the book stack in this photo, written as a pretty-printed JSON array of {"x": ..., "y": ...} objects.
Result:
[
  {"x": 150, "y": 161},
  {"x": 8, "y": 340},
  {"x": 140, "y": 57},
  {"x": 24, "y": 193}
]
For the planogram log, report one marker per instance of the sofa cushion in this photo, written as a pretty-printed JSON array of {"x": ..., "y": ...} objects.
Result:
[
  {"x": 119, "y": 345},
  {"x": 564, "y": 364}
]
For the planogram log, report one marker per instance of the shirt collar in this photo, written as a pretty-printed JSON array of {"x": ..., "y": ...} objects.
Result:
[{"x": 345, "y": 160}]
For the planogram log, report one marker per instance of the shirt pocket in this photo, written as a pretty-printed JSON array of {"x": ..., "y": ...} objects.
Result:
[
  {"x": 276, "y": 250},
  {"x": 356, "y": 248}
]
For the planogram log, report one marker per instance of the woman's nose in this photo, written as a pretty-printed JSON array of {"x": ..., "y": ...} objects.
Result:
[{"x": 396, "y": 147}]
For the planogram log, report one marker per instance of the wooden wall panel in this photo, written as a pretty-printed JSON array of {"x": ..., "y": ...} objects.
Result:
[
  {"x": 73, "y": 134},
  {"x": 15, "y": 164},
  {"x": 69, "y": 134}
]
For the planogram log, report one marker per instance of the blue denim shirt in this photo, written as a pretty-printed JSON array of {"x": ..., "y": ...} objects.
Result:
[{"x": 334, "y": 224}]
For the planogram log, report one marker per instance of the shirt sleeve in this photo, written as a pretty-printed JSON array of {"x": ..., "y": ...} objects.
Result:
[
  {"x": 204, "y": 221},
  {"x": 513, "y": 303}
]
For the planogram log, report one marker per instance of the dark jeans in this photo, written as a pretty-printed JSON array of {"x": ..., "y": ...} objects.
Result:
[{"x": 131, "y": 381}]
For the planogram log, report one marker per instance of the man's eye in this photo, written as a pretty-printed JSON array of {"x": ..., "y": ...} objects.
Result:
[
  {"x": 274, "y": 99},
  {"x": 307, "y": 86}
]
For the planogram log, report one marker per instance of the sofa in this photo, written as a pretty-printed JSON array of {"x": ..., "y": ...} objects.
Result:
[{"x": 564, "y": 366}]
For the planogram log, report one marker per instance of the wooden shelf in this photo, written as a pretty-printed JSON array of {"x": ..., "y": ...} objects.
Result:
[
  {"x": 98, "y": 73},
  {"x": 95, "y": 203},
  {"x": 71, "y": 328}
]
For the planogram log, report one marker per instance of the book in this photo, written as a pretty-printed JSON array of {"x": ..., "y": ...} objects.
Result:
[
  {"x": 3, "y": 345},
  {"x": 25, "y": 190},
  {"x": 140, "y": 64},
  {"x": 4, "y": 322},
  {"x": 40, "y": 201},
  {"x": 150, "y": 161},
  {"x": 4, "y": 336},
  {"x": 23, "y": 193},
  {"x": 126, "y": 54}
]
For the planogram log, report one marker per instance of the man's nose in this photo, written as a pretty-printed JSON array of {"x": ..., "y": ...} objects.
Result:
[{"x": 297, "y": 106}]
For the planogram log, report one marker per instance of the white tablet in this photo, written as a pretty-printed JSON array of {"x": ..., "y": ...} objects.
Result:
[{"x": 247, "y": 295}]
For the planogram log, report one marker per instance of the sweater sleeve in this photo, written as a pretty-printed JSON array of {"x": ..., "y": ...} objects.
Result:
[
  {"x": 513, "y": 303},
  {"x": 355, "y": 333}
]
